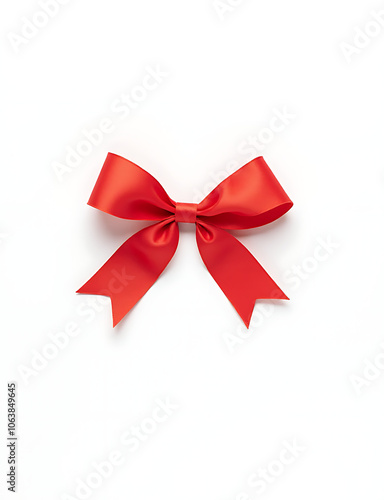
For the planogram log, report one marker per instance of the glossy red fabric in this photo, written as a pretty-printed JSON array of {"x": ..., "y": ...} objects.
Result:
[{"x": 250, "y": 197}]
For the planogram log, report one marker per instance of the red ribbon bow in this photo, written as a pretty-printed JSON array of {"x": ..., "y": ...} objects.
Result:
[{"x": 250, "y": 197}]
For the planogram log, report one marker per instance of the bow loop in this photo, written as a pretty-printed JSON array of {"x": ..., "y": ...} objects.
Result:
[
  {"x": 125, "y": 190},
  {"x": 250, "y": 197}
]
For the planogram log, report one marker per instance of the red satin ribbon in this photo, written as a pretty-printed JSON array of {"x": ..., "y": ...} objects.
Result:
[{"x": 250, "y": 197}]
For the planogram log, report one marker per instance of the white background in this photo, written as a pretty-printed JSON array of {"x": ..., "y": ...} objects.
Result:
[{"x": 241, "y": 396}]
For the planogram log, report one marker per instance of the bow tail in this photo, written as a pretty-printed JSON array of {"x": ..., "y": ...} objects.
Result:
[
  {"x": 134, "y": 267},
  {"x": 242, "y": 279}
]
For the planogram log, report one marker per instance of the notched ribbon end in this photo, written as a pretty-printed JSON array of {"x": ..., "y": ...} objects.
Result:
[
  {"x": 117, "y": 312},
  {"x": 277, "y": 294}
]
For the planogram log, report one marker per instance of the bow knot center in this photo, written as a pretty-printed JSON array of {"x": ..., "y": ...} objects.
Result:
[{"x": 186, "y": 212}]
